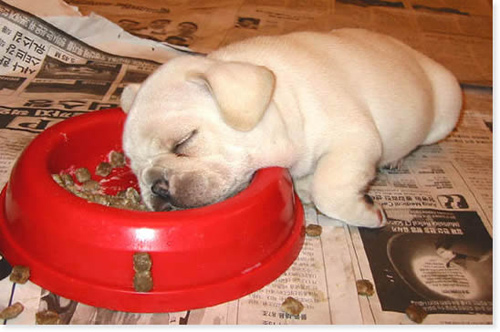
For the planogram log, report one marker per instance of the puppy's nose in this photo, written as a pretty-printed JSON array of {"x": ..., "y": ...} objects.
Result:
[{"x": 161, "y": 188}]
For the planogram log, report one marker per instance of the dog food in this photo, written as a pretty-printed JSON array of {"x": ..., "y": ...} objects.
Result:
[
  {"x": 67, "y": 180},
  {"x": 82, "y": 175},
  {"x": 90, "y": 189},
  {"x": 142, "y": 262},
  {"x": 117, "y": 159},
  {"x": 143, "y": 281},
  {"x": 130, "y": 194},
  {"x": 20, "y": 274},
  {"x": 416, "y": 313},
  {"x": 103, "y": 169},
  {"x": 365, "y": 287},
  {"x": 12, "y": 311},
  {"x": 48, "y": 317},
  {"x": 58, "y": 179},
  {"x": 292, "y": 306},
  {"x": 90, "y": 186},
  {"x": 313, "y": 230}
]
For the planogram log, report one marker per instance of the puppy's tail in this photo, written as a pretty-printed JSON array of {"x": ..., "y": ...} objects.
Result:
[{"x": 447, "y": 100}]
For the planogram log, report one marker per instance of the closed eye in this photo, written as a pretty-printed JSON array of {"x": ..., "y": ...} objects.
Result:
[{"x": 177, "y": 150}]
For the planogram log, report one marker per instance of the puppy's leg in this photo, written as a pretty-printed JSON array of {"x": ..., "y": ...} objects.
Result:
[
  {"x": 302, "y": 187},
  {"x": 340, "y": 183}
]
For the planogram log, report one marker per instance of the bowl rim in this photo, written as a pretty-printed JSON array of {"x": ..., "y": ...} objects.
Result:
[
  {"x": 188, "y": 298},
  {"x": 55, "y": 135},
  {"x": 223, "y": 289}
]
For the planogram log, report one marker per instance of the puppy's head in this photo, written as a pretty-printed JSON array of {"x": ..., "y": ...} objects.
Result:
[{"x": 186, "y": 129}]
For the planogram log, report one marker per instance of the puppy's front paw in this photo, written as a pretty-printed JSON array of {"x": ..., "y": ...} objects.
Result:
[
  {"x": 393, "y": 166},
  {"x": 381, "y": 216},
  {"x": 372, "y": 216},
  {"x": 357, "y": 210}
]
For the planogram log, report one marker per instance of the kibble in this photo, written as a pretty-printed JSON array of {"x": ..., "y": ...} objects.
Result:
[
  {"x": 20, "y": 274},
  {"x": 91, "y": 190},
  {"x": 117, "y": 159},
  {"x": 142, "y": 262},
  {"x": 12, "y": 311},
  {"x": 124, "y": 203},
  {"x": 132, "y": 195},
  {"x": 416, "y": 313},
  {"x": 313, "y": 230},
  {"x": 143, "y": 281},
  {"x": 67, "y": 180},
  {"x": 292, "y": 306},
  {"x": 48, "y": 317},
  {"x": 91, "y": 186},
  {"x": 103, "y": 169},
  {"x": 82, "y": 175},
  {"x": 99, "y": 199},
  {"x": 365, "y": 287},
  {"x": 58, "y": 179}
]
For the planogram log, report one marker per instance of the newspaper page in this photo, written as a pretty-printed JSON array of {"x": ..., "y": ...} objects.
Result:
[
  {"x": 185, "y": 24},
  {"x": 274, "y": 18},
  {"x": 457, "y": 33},
  {"x": 50, "y": 76},
  {"x": 435, "y": 252},
  {"x": 437, "y": 248},
  {"x": 47, "y": 76}
]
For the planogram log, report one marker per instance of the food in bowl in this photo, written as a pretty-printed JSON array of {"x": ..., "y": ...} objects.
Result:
[
  {"x": 200, "y": 257},
  {"x": 87, "y": 188}
]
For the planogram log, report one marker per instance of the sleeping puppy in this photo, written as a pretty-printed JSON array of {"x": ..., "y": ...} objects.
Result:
[{"x": 330, "y": 107}]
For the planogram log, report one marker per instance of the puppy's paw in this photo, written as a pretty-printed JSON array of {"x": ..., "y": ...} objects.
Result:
[
  {"x": 373, "y": 215},
  {"x": 359, "y": 210},
  {"x": 394, "y": 165},
  {"x": 381, "y": 215}
]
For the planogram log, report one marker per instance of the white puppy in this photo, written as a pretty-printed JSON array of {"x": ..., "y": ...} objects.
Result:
[{"x": 330, "y": 107}]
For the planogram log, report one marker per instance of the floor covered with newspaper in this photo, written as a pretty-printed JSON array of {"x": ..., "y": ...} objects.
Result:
[{"x": 62, "y": 59}]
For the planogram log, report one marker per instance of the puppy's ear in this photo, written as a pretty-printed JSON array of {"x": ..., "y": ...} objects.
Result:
[
  {"x": 128, "y": 96},
  {"x": 243, "y": 92}
]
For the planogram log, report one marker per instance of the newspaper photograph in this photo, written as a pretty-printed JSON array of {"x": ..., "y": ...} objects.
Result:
[
  {"x": 436, "y": 252},
  {"x": 448, "y": 270}
]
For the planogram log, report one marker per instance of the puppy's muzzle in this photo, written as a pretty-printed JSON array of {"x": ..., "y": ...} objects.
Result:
[
  {"x": 155, "y": 180},
  {"x": 161, "y": 188}
]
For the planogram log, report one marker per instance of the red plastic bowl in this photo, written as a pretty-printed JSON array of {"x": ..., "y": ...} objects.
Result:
[{"x": 83, "y": 251}]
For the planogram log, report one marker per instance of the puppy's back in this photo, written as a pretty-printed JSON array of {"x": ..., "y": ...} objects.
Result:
[
  {"x": 446, "y": 91},
  {"x": 356, "y": 74}
]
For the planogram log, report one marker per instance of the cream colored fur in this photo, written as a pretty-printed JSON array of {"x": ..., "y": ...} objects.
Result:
[{"x": 330, "y": 107}]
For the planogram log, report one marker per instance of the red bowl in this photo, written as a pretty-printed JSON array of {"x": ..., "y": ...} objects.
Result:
[{"x": 84, "y": 251}]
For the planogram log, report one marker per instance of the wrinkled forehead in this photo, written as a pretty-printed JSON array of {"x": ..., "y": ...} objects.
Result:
[
  {"x": 155, "y": 124},
  {"x": 162, "y": 95},
  {"x": 148, "y": 137},
  {"x": 167, "y": 106}
]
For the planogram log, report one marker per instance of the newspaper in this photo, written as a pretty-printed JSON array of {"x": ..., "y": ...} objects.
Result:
[
  {"x": 436, "y": 250},
  {"x": 454, "y": 32}
]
